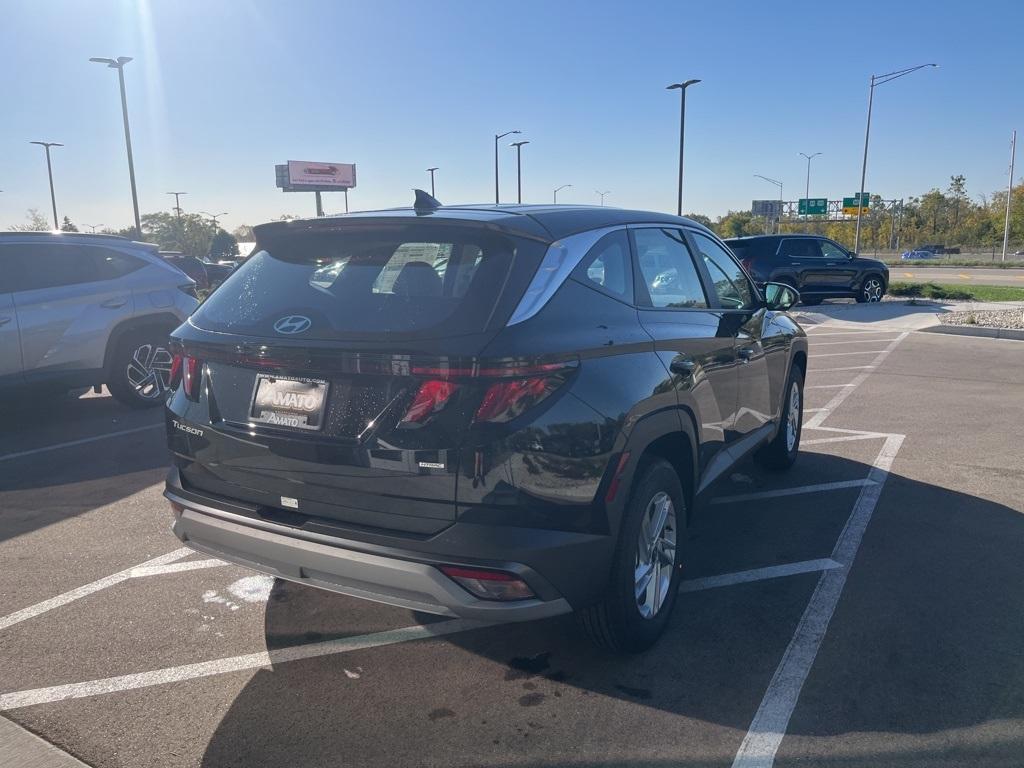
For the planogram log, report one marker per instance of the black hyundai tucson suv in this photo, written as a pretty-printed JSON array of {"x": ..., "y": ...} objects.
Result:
[
  {"x": 499, "y": 413},
  {"x": 817, "y": 267}
]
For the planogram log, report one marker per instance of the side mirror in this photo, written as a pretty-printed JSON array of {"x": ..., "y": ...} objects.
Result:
[{"x": 779, "y": 297}]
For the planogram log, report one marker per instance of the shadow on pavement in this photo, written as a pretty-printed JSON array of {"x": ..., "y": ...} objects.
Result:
[{"x": 925, "y": 641}]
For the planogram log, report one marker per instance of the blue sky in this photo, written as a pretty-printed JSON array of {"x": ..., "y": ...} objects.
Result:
[{"x": 221, "y": 91}]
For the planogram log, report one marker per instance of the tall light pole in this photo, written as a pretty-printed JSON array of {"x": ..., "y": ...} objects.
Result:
[
  {"x": 49, "y": 170},
  {"x": 555, "y": 196},
  {"x": 682, "y": 124},
  {"x": 519, "y": 168},
  {"x": 93, "y": 227},
  {"x": 214, "y": 217},
  {"x": 497, "y": 137},
  {"x": 602, "y": 194},
  {"x": 875, "y": 80},
  {"x": 431, "y": 172},
  {"x": 177, "y": 202},
  {"x": 1009, "y": 194},
  {"x": 778, "y": 184},
  {"x": 807, "y": 188},
  {"x": 118, "y": 64}
]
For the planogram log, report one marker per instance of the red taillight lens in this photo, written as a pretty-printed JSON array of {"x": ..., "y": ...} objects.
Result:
[
  {"x": 192, "y": 375},
  {"x": 430, "y": 398},
  {"x": 747, "y": 265},
  {"x": 505, "y": 400},
  {"x": 488, "y": 585},
  {"x": 175, "y": 376}
]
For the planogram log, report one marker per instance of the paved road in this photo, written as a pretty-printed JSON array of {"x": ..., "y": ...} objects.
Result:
[
  {"x": 863, "y": 609},
  {"x": 976, "y": 275}
]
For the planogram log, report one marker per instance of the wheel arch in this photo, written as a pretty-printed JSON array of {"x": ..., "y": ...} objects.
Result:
[{"x": 163, "y": 321}]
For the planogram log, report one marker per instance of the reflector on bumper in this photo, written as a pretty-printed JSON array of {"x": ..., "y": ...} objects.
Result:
[{"x": 488, "y": 585}]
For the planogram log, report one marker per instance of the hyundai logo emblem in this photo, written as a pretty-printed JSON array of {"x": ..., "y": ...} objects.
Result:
[{"x": 292, "y": 324}]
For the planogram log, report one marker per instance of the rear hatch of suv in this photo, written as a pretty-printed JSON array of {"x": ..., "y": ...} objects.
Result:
[{"x": 335, "y": 374}]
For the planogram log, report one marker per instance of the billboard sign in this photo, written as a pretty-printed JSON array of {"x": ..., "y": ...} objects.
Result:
[
  {"x": 303, "y": 176},
  {"x": 769, "y": 208}
]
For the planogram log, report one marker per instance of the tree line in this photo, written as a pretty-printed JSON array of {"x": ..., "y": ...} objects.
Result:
[{"x": 945, "y": 217}]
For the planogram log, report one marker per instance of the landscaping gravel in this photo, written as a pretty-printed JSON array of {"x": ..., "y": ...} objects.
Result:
[{"x": 999, "y": 318}]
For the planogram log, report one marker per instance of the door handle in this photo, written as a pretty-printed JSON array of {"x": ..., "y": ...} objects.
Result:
[
  {"x": 683, "y": 366},
  {"x": 120, "y": 301}
]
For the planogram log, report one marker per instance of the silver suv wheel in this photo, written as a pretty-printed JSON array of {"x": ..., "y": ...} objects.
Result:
[
  {"x": 655, "y": 555},
  {"x": 149, "y": 371},
  {"x": 872, "y": 289}
]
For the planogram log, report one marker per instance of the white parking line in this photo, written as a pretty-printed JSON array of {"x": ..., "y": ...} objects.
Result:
[
  {"x": 843, "y": 439},
  {"x": 157, "y": 570},
  {"x": 845, "y": 368},
  {"x": 846, "y": 354},
  {"x": 32, "y": 697},
  {"x": 855, "y": 341},
  {"x": 88, "y": 589},
  {"x": 758, "y": 574},
  {"x": 769, "y": 725},
  {"x": 844, "y": 333},
  {"x": 83, "y": 441},
  {"x": 838, "y": 485},
  {"x": 826, "y": 386},
  {"x": 818, "y": 418}
]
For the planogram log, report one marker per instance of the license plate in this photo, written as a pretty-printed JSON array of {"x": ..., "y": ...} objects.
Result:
[{"x": 289, "y": 403}]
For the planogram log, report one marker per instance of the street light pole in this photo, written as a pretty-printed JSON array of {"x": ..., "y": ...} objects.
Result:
[
  {"x": 875, "y": 80},
  {"x": 497, "y": 136},
  {"x": 177, "y": 202},
  {"x": 93, "y": 227},
  {"x": 1009, "y": 194},
  {"x": 682, "y": 123},
  {"x": 49, "y": 171},
  {"x": 214, "y": 217},
  {"x": 602, "y": 194},
  {"x": 118, "y": 64},
  {"x": 807, "y": 188},
  {"x": 519, "y": 169},
  {"x": 431, "y": 172},
  {"x": 778, "y": 184},
  {"x": 555, "y": 196}
]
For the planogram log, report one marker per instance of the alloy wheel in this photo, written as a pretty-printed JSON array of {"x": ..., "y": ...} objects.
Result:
[
  {"x": 149, "y": 371},
  {"x": 793, "y": 417},
  {"x": 872, "y": 289},
  {"x": 655, "y": 555}
]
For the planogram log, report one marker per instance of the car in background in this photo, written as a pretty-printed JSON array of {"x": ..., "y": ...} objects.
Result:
[
  {"x": 817, "y": 267},
  {"x": 498, "y": 413},
  {"x": 190, "y": 265},
  {"x": 916, "y": 255},
  {"x": 217, "y": 271},
  {"x": 79, "y": 310}
]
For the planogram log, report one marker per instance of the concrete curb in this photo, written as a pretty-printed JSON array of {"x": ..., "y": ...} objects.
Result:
[
  {"x": 20, "y": 748},
  {"x": 1017, "y": 334}
]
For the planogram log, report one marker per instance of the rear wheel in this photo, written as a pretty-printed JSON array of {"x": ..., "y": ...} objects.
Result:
[
  {"x": 646, "y": 570},
  {"x": 871, "y": 290},
  {"x": 141, "y": 369},
  {"x": 781, "y": 452}
]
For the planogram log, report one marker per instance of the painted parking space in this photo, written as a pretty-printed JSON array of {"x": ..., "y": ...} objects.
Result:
[{"x": 195, "y": 663}]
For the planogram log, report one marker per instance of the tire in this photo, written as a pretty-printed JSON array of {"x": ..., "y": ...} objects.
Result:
[
  {"x": 621, "y": 622},
  {"x": 781, "y": 452},
  {"x": 871, "y": 290},
  {"x": 140, "y": 369}
]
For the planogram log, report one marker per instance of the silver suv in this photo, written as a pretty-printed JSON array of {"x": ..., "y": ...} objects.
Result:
[{"x": 82, "y": 310}]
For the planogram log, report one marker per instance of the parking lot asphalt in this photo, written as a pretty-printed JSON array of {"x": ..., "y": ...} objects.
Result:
[{"x": 866, "y": 608}]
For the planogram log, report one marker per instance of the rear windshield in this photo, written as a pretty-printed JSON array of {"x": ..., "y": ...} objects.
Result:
[
  {"x": 412, "y": 279},
  {"x": 741, "y": 248}
]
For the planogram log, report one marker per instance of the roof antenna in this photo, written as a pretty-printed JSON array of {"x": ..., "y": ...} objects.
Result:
[{"x": 425, "y": 202}]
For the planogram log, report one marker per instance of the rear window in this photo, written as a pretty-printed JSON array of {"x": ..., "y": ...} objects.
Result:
[
  {"x": 413, "y": 279},
  {"x": 743, "y": 250}
]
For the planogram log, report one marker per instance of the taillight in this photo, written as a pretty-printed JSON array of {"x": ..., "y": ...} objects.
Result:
[
  {"x": 505, "y": 400},
  {"x": 187, "y": 371},
  {"x": 488, "y": 585},
  {"x": 175, "y": 376},
  {"x": 430, "y": 398}
]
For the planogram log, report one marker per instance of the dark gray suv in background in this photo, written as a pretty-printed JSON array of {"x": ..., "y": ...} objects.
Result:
[
  {"x": 81, "y": 310},
  {"x": 817, "y": 267},
  {"x": 494, "y": 412}
]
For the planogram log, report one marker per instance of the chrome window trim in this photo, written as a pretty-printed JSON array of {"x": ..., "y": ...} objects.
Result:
[{"x": 561, "y": 258}]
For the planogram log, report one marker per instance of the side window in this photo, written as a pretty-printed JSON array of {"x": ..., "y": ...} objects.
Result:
[
  {"x": 48, "y": 266},
  {"x": 668, "y": 271},
  {"x": 830, "y": 250},
  {"x": 607, "y": 267},
  {"x": 111, "y": 264},
  {"x": 731, "y": 285},
  {"x": 800, "y": 248}
]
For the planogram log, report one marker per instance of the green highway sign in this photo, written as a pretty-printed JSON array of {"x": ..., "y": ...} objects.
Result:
[
  {"x": 850, "y": 204},
  {"x": 812, "y": 206}
]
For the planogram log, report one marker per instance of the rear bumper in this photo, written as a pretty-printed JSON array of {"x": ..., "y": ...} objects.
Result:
[{"x": 408, "y": 579}]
